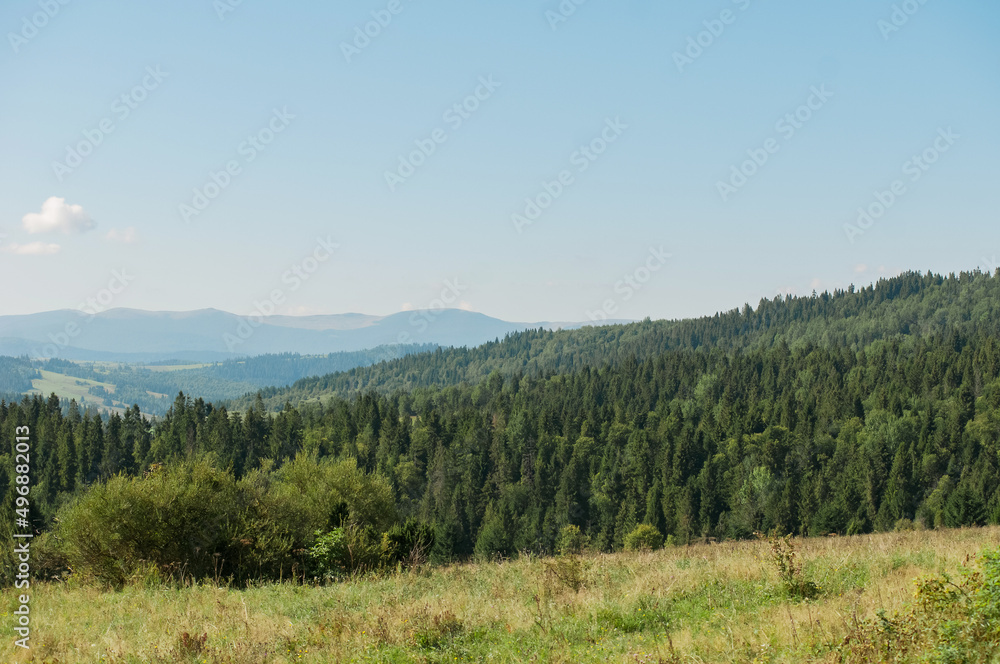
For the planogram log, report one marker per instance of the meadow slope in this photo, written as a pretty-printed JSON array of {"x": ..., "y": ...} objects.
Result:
[{"x": 700, "y": 603}]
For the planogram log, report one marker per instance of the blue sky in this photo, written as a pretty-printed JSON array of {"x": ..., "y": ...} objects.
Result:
[{"x": 554, "y": 87}]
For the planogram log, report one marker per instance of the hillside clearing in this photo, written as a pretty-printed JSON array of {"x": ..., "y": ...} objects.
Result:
[{"x": 703, "y": 603}]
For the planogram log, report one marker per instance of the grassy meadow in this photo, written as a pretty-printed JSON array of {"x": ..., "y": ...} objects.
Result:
[
  {"x": 701, "y": 603},
  {"x": 68, "y": 387}
]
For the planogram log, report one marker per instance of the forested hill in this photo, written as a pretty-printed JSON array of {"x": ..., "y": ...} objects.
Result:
[
  {"x": 16, "y": 374},
  {"x": 882, "y": 413},
  {"x": 913, "y": 304},
  {"x": 693, "y": 443}
]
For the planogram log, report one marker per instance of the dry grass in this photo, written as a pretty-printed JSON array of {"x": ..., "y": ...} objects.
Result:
[{"x": 703, "y": 603}]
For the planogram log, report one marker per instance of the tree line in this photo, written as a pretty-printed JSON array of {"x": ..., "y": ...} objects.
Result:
[
  {"x": 911, "y": 304},
  {"x": 695, "y": 442}
]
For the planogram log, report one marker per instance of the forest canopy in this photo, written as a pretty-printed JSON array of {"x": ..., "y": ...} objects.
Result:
[{"x": 846, "y": 413}]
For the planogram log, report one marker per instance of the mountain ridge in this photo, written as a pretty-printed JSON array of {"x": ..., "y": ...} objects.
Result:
[
  {"x": 912, "y": 305},
  {"x": 124, "y": 334}
]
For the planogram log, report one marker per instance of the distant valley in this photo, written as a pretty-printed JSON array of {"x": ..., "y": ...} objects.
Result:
[
  {"x": 124, "y": 357},
  {"x": 209, "y": 335}
]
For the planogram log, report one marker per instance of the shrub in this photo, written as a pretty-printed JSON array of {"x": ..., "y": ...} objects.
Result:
[
  {"x": 50, "y": 559},
  {"x": 786, "y": 560},
  {"x": 951, "y": 621},
  {"x": 409, "y": 544},
  {"x": 328, "y": 554},
  {"x": 572, "y": 540},
  {"x": 194, "y": 520},
  {"x": 175, "y": 519},
  {"x": 644, "y": 538},
  {"x": 346, "y": 550},
  {"x": 308, "y": 493}
]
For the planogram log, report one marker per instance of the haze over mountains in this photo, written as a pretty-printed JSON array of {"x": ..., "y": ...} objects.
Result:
[{"x": 130, "y": 335}]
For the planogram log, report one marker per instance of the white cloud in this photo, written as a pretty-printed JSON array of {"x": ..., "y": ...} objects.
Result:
[
  {"x": 464, "y": 306},
  {"x": 126, "y": 236},
  {"x": 31, "y": 249},
  {"x": 407, "y": 306},
  {"x": 56, "y": 215},
  {"x": 860, "y": 267}
]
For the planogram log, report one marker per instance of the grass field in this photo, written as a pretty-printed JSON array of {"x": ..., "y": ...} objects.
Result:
[
  {"x": 703, "y": 603},
  {"x": 68, "y": 387}
]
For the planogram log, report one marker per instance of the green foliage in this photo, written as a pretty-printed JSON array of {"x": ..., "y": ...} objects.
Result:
[
  {"x": 16, "y": 374},
  {"x": 644, "y": 538},
  {"x": 913, "y": 304},
  {"x": 356, "y": 548},
  {"x": 193, "y": 520},
  {"x": 789, "y": 567},
  {"x": 845, "y": 413},
  {"x": 347, "y": 550},
  {"x": 328, "y": 554},
  {"x": 408, "y": 544},
  {"x": 572, "y": 540},
  {"x": 951, "y": 621},
  {"x": 175, "y": 520}
]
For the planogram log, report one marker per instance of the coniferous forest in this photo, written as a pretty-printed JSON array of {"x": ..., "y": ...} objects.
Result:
[{"x": 852, "y": 412}]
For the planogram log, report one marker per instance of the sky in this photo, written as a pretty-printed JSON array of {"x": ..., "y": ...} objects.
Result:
[{"x": 533, "y": 160}]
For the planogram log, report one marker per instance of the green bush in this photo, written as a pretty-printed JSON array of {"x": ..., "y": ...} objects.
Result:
[
  {"x": 328, "y": 554},
  {"x": 409, "y": 543},
  {"x": 644, "y": 538},
  {"x": 311, "y": 494},
  {"x": 572, "y": 540},
  {"x": 358, "y": 548},
  {"x": 175, "y": 519},
  {"x": 950, "y": 621},
  {"x": 194, "y": 520},
  {"x": 789, "y": 568}
]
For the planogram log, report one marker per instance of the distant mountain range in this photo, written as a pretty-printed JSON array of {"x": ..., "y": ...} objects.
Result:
[{"x": 209, "y": 335}]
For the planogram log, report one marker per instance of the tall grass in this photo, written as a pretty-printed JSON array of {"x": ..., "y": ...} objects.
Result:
[{"x": 703, "y": 603}]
